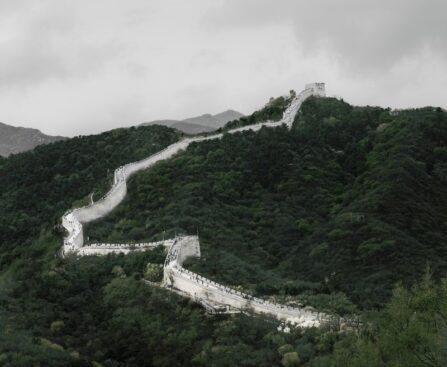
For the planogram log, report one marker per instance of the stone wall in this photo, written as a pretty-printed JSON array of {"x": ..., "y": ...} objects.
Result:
[
  {"x": 202, "y": 289},
  {"x": 102, "y": 207},
  {"x": 318, "y": 89},
  {"x": 176, "y": 277},
  {"x": 103, "y": 249},
  {"x": 73, "y": 220}
]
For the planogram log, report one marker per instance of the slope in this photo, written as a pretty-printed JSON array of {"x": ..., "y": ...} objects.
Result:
[
  {"x": 351, "y": 201},
  {"x": 38, "y": 186},
  {"x": 200, "y": 124},
  {"x": 96, "y": 311},
  {"x": 14, "y": 140}
]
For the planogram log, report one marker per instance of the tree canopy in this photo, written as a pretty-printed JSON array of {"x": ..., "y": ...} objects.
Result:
[{"x": 330, "y": 214}]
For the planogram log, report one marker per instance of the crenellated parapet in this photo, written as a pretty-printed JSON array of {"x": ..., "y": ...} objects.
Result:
[
  {"x": 219, "y": 297},
  {"x": 102, "y": 249}
]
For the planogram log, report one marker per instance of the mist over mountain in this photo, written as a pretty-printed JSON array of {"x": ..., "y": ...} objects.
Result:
[
  {"x": 200, "y": 124},
  {"x": 15, "y": 140}
]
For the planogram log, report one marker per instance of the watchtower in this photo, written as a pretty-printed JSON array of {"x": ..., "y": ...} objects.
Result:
[{"x": 319, "y": 89}]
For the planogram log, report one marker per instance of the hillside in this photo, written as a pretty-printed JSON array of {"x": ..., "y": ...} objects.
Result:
[
  {"x": 332, "y": 213},
  {"x": 200, "y": 124},
  {"x": 352, "y": 200},
  {"x": 15, "y": 140},
  {"x": 63, "y": 174}
]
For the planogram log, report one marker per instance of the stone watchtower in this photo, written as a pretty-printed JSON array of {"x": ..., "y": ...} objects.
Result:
[{"x": 318, "y": 89}]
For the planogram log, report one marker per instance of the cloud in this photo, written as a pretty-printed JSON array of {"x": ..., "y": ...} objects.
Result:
[
  {"x": 363, "y": 35},
  {"x": 79, "y": 67},
  {"x": 41, "y": 41}
]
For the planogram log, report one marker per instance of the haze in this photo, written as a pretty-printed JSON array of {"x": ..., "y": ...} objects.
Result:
[{"x": 81, "y": 67}]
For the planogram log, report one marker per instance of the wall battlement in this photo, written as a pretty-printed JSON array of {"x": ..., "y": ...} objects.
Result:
[
  {"x": 220, "y": 297},
  {"x": 103, "y": 249}
]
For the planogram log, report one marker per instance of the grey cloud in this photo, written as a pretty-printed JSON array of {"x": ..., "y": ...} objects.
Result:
[
  {"x": 74, "y": 67},
  {"x": 371, "y": 35},
  {"x": 43, "y": 44}
]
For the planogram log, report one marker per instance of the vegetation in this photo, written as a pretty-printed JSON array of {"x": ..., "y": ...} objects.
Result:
[
  {"x": 346, "y": 204},
  {"x": 273, "y": 111},
  {"x": 410, "y": 331},
  {"x": 330, "y": 214},
  {"x": 38, "y": 186}
]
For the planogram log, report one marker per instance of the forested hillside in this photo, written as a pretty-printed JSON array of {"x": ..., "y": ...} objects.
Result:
[
  {"x": 351, "y": 200},
  {"x": 332, "y": 214},
  {"x": 37, "y": 187}
]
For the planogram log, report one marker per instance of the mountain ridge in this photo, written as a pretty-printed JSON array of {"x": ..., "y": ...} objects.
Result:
[
  {"x": 199, "y": 124},
  {"x": 18, "y": 139}
]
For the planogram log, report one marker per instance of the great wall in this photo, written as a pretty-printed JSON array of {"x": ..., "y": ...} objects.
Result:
[
  {"x": 217, "y": 298},
  {"x": 213, "y": 296}
]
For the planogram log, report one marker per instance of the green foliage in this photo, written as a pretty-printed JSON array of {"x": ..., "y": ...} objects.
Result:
[
  {"x": 153, "y": 272},
  {"x": 335, "y": 202},
  {"x": 283, "y": 349},
  {"x": 118, "y": 272},
  {"x": 290, "y": 359},
  {"x": 273, "y": 110},
  {"x": 331, "y": 214},
  {"x": 38, "y": 186},
  {"x": 96, "y": 311},
  {"x": 57, "y": 326},
  {"x": 409, "y": 332}
]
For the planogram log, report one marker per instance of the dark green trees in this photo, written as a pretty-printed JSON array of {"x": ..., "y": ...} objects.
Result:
[{"x": 351, "y": 200}]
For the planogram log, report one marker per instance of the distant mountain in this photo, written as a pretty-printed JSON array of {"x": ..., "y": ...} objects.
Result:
[
  {"x": 200, "y": 124},
  {"x": 19, "y": 139},
  {"x": 191, "y": 128}
]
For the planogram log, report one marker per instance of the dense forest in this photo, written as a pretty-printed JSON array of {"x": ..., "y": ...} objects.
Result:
[
  {"x": 38, "y": 186},
  {"x": 350, "y": 201},
  {"x": 346, "y": 212}
]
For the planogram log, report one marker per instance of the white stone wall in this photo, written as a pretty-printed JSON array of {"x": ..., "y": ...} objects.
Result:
[
  {"x": 176, "y": 277},
  {"x": 73, "y": 220},
  {"x": 201, "y": 289},
  {"x": 103, "y": 249},
  {"x": 102, "y": 207},
  {"x": 318, "y": 89}
]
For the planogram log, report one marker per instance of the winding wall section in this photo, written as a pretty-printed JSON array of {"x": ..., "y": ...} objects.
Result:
[
  {"x": 222, "y": 298},
  {"x": 207, "y": 292},
  {"x": 73, "y": 220}
]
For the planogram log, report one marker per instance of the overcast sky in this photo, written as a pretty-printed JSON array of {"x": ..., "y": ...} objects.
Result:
[{"x": 85, "y": 66}]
